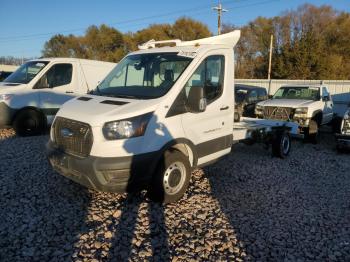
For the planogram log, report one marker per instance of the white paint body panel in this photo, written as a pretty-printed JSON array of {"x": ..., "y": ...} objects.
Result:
[
  {"x": 197, "y": 128},
  {"x": 85, "y": 76}
]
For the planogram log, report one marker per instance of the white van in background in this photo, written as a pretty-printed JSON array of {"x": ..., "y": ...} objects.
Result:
[{"x": 31, "y": 96}]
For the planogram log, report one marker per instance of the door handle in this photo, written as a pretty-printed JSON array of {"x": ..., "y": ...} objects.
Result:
[
  {"x": 69, "y": 92},
  {"x": 224, "y": 108}
]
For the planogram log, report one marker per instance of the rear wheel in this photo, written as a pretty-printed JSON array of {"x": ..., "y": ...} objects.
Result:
[
  {"x": 29, "y": 123},
  {"x": 171, "y": 179},
  {"x": 281, "y": 145}
]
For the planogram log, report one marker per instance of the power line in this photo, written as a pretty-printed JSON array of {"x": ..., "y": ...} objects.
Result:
[
  {"x": 196, "y": 10},
  {"x": 220, "y": 10},
  {"x": 192, "y": 10}
]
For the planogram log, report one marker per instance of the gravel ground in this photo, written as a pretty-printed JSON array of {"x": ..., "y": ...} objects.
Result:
[{"x": 247, "y": 207}]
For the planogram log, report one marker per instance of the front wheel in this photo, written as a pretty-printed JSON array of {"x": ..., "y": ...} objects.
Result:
[
  {"x": 312, "y": 132},
  {"x": 171, "y": 178},
  {"x": 281, "y": 145},
  {"x": 29, "y": 123}
]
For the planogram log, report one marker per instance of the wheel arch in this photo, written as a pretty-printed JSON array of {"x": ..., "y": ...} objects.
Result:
[
  {"x": 317, "y": 116},
  {"x": 29, "y": 108},
  {"x": 183, "y": 145}
]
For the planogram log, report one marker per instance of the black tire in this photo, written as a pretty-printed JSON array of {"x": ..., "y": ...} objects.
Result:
[
  {"x": 171, "y": 179},
  {"x": 281, "y": 145},
  {"x": 336, "y": 124},
  {"x": 29, "y": 123},
  {"x": 312, "y": 134}
]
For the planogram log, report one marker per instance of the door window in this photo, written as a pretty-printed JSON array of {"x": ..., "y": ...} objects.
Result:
[
  {"x": 210, "y": 76},
  {"x": 253, "y": 96},
  {"x": 57, "y": 75},
  {"x": 262, "y": 94}
]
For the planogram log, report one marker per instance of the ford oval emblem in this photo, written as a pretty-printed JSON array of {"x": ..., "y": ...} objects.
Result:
[{"x": 66, "y": 132}]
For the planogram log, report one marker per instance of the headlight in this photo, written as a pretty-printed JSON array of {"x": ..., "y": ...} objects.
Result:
[
  {"x": 5, "y": 97},
  {"x": 301, "y": 111},
  {"x": 259, "y": 109},
  {"x": 126, "y": 128}
]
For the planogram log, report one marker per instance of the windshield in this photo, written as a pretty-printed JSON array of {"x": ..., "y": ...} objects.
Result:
[
  {"x": 143, "y": 76},
  {"x": 240, "y": 94},
  {"x": 298, "y": 92},
  {"x": 26, "y": 72}
]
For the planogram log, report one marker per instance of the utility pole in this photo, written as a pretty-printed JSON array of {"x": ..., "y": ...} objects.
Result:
[
  {"x": 220, "y": 10},
  {"x": 270, "y": 58}
]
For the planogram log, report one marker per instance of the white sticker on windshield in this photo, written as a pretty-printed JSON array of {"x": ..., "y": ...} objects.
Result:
[
  {"x": 187, "y": 54},
  {"x": 313, "y": 88},
  {"x": 39, "y": 64}
]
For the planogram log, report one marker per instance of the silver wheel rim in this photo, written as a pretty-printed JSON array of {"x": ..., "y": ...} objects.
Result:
[
  {"x": 285, "y": 144},
  {"x": 174, "y": 178}
]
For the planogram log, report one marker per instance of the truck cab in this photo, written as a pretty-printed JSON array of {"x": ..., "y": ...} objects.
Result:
[{"x": 31, "y": 96}]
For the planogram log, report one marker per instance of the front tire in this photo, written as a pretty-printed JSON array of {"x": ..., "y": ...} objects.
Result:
[
  {"x": 171, "y": 179},
  {"x": 313, "y": 132},
  {"x": 29, "y": 123}
]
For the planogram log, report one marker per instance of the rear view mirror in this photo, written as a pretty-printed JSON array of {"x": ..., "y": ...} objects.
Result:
[{"x": 196, "y": 101}]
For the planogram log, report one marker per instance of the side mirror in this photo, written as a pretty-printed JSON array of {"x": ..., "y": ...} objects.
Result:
[
  {"x": 196, "y": 101},
  {"x": 325, "y": 98},
  {"x": 270, "y": 96}
]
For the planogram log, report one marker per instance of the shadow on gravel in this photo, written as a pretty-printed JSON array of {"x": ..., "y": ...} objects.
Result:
[
  {"x": 42, "y": 213},
  {"x": 286, "y": 210},
  {"x": 149, "y": 243}
]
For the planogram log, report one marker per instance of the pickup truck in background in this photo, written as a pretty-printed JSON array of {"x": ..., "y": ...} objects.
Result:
[
  {"x": 343, "y": 136},
  {"x": 309, "y": 106},
  {"x": 31, "y": 96},
  {"x": 159, "y": 114},
  {"x": 246, "y": 98}
]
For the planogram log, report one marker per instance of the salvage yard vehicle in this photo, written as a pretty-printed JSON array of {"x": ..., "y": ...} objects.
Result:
[
  {"x": 246, "y": 97},
  {"x": 160, "y": 113},
  {"x": 308, "y": 105},
  {"x": 31, "y": 96},
  {"x": 343, "y": 138}
]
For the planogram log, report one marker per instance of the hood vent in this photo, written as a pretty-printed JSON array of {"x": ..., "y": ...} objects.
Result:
[
  {"x": 112, "y": 102},
  {"x": 84, "y": 98}
]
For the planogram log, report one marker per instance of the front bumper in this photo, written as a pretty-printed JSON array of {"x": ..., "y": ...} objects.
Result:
[
  {"x": 6, "y": 114},
  {"x": 110, "y": 174}
]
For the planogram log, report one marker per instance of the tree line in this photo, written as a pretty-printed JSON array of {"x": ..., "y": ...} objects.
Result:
[{"x": 309, "y": 43}]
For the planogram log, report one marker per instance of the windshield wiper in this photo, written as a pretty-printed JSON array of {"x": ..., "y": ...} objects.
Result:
[{"x": 123, "y": 96}]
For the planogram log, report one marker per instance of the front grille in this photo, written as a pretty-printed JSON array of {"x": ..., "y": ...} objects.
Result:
[
  {"x": 278, "y": 113},
  {"x": 73, "y": 137}
]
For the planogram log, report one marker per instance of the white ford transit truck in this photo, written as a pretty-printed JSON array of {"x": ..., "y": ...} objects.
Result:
[
  {"x": 31, "y": 96},
  {"x": 160, "y": 113}
]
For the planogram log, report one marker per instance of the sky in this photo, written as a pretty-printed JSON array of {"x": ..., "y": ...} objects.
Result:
[{"x": 27, "y": 24}]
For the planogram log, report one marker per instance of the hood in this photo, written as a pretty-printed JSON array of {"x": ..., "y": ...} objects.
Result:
[
  {"x": 294, "y": 103},
  {"x": 9, "y": 88},
  {"x": 97, "y": 110}
]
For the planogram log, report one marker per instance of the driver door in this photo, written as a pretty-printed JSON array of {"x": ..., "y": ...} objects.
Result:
[
  {"x": 209, "y": 130},
  {"x": 56, "y": 87}
]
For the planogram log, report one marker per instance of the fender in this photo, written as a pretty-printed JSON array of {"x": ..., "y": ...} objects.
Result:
[{"x": 29, "y": 108}]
